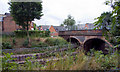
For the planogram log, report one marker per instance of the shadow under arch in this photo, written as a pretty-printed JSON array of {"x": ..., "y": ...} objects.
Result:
[
  {"x": 74, "y": 40},
  {"x": 96, "y": 43}
]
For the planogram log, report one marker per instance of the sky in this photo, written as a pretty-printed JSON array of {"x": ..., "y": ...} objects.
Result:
[{"x": 55, "y": 11}]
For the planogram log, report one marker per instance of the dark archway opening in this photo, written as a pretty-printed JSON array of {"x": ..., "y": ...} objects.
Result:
[
  {"x": 74, "y": 41},
  {"x": 95, "y": 43}
]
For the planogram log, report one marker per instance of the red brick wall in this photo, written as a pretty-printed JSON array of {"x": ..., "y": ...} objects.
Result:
[{"x": 9, "y": 24}]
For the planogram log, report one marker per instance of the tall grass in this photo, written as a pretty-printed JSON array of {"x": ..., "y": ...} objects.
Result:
[{"x": 63, "y": 60}]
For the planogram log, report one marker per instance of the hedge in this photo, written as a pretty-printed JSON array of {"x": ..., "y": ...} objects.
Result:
[{"x": 33, "y": 33}]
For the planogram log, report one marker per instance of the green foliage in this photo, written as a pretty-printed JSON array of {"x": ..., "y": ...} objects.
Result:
[
  {"x": 34, "y": 25},
  {"x": 6, "y": 45},
  {"x": 28, "y": 63},
  {"x": 7, "y": 64},
  {"x": 55, "y": 41},
  {"x": 61, "y": 24},
  {"x": 111, "y": 20},
  {"x": 42, "y": 44},
  {"x": 108, "y": 61},
  {"x": 26, "y": 42},
  {"x": 69, "y": 22},
  {"x": 13, "y": 41},
  {"x": 65, "y": 61},
  {"x": 24, "y": 12},
  {"x": 32, "y": 33}
]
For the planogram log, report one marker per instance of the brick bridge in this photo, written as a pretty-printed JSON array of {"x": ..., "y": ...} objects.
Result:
[{"x": 87, "y": 39}]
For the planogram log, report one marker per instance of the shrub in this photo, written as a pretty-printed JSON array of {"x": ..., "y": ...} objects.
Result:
[
  {"x": 34, "y": 33},
  {"x": 42, "y": 44},
  {"x": 55, "y": 41},
  {"x": 6, "y": 62},
  {"x": 14, "y": 41},
  {"x": 6, "y": 45},
  {"x": 108, "y": 61},
  {"x": 26, "y": 42}
]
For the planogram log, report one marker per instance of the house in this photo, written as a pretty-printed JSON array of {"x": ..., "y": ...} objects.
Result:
[
  {"x": 59, "y": 28},
  {"x": 9, "y": 25},
  {"x": 85, "y": 26},
  {"x": 48, "y": 28}
]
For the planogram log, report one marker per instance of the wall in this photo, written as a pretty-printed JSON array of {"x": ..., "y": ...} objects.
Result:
[
  {"x": 53, "y": 32},
  {"x": 9, "y": 25}
]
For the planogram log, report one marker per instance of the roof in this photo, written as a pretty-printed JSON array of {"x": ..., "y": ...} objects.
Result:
[
  {"x": 45, "y": 27},
  {"x": 59, "y": 28},
  {"x": 8, "y": 14},
  {"x": 82, "y": 26}
]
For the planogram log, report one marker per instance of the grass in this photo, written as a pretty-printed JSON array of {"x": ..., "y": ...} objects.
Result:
[
  {"x": 68, "y": 62},
  {"x": 34, "y": 41}
]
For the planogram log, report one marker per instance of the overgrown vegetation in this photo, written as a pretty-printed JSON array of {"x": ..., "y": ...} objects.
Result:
[
  {"x": 9, "y": 42},
  {"x": 110, "y": 22},
  {"x": 64, "y": 61},
  {"x": 6, "y": 45},
  {"x": 32, "y": 33},
  {"x": 38, "y": 45},
  {"x": 55, "y": 41},
  {"x": 24, "y": 13}
]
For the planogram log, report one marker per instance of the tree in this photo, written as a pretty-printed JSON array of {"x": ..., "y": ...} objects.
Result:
[
  {"x": 113, "y": 19},
  {"x": 69, "y": 22},
  {"x": 103, "y": 22},
  {"x": 25, "y": 12},
  {"x": 61, "y": 24},
  {"x": 34, "y": 25}
]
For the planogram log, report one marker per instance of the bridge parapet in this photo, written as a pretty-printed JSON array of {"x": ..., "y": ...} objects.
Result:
[{"x": 81, "y": 33}]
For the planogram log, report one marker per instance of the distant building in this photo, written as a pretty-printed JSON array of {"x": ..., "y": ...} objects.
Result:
[
  {"x": 48, "y": 28},
  {"x": 53, "y": 29},
  {"x": 9, "y": 25},
  {"x": 59, "y": 28},
  {"x": 85, "y": 26}
]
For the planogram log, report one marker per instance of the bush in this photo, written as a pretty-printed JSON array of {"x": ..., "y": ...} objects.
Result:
[
  {"x": 26, "y": 42},
  {"x": 6, "y": 45},
  {"x": 42, "y": 44},
  {"x": 55, "y": 41},
  {"x": 32, "y": 33},
  {"x": 14, "y": 41},
  {"x": 6, "y": 64}
]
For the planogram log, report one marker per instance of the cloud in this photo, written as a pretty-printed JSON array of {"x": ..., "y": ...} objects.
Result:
[
  {"x": 4, "y": 6},
  {"x": 55, "y": 11}
]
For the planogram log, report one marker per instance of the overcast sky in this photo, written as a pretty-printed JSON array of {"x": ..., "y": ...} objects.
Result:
[{"x": 55, "y": 11}]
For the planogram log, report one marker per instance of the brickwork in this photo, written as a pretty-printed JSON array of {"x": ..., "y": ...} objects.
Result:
[
  {"x": 9, "y": 24},
  {"x": 82, "y": 36},
  {"x": 53, "y": 31}
]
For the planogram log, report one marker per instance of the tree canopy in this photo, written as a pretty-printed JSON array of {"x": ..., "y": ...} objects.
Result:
[
  {"x": 69, "y": 22},
  {"x": 111, "y": 19},
  {"x": 24, "y": 12}
]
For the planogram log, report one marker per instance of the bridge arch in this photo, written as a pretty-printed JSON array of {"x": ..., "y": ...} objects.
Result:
[
  {"x": 74, "y": 40},
  {"x": 96, "y": 43}
]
